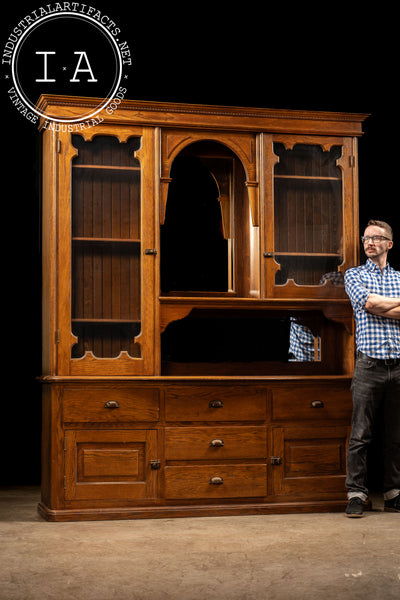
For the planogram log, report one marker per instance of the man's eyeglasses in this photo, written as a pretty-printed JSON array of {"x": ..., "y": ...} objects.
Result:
[{"x": 374, "y": 238}]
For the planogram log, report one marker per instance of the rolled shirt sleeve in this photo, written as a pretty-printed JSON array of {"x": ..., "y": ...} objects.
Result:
[{"x": 356, "y": 289}]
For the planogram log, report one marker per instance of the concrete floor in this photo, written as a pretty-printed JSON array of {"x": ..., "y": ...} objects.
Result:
[{"x": 278, "y": 557}]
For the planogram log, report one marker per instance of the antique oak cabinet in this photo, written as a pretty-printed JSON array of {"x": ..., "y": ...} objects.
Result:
[{"x": 198, "y": 344}]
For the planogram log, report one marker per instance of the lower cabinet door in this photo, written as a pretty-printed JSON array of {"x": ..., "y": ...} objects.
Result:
[
  {"x": 107, "y": 465},
  {"x": 215, "y": 481},
  {"x": 309, "y": 461}
]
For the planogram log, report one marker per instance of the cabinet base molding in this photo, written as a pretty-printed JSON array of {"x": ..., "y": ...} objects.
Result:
[{"x": 164, "y": 512}]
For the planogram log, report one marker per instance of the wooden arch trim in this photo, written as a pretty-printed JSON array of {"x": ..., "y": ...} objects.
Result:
[{"x": 243, "y": 145}]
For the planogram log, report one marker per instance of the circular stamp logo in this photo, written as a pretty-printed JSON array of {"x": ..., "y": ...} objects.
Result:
[{"x": 66, "y": 49}]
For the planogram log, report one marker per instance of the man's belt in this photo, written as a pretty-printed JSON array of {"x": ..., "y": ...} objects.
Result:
[{"x": 384, "y": 362}]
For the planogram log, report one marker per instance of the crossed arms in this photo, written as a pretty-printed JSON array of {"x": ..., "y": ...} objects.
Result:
[
  {"x": 363, "y": 299},
  {"x": 384, "y": 306}
]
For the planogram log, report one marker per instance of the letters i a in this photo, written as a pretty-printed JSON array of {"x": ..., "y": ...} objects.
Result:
[{"x": 78, "y": 69}]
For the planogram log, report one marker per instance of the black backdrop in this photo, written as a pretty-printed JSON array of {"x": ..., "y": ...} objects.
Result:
[{"x": 243, "y": 54}]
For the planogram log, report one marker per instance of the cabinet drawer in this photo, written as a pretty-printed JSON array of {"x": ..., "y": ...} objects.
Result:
[
  {"x": 311, "y": 403},
  {"x": 213, "y": 443},
  {"x": 209, "y": 403},
  {"x": 216, "y": 481},
  {"x": 110, "y": 404}
]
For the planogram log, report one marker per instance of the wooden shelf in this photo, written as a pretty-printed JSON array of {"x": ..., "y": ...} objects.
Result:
[
  {"x": 308, "y": 177},
  {"x": 309, "y": 254},
  {"x": 106, "y": 168},
  {"x": 107, "y": 321},
  {"x": 175, "y": 308},
  {"x": 100, "y": 240}
]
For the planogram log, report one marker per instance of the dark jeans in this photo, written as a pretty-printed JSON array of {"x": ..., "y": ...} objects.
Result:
[{"x": 374, "y": 387}]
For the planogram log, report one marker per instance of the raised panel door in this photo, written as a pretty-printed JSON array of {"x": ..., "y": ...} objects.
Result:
[
  {"x": 309, "y": 461},
  {"x": 110, "y": 465}
]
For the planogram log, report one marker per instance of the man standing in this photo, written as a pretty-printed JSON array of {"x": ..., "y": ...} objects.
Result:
[{"x": 374, "y": 291}]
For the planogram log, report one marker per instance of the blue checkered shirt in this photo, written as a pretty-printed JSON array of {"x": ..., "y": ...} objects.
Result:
[
  {"x": 301, "y": 342},
  {"x": 376, "y": 336}
]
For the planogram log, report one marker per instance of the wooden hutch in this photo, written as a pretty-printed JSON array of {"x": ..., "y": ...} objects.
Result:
[{"x": 198, "y": 343}]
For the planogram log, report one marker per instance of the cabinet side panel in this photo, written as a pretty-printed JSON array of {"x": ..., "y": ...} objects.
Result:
[
  {"x": 49, "y": 359},
  {"x": 52, "y": 448}
]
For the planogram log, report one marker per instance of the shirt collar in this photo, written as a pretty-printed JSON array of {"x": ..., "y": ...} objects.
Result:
[{"x": 373, "y": 267}]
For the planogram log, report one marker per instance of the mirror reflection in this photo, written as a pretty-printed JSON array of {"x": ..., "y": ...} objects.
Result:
[
  {"x": 304, "y": 345},
  {"x": 258, "y": 338}
]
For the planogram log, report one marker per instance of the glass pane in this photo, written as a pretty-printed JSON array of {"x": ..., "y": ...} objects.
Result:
[
  {"x": 106, "y": 270},
  {"x": 308, "y": 214}
]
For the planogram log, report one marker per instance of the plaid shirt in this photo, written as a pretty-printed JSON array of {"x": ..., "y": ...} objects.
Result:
[
  {"x": 376, "y": 336},
  {"x": 301, "y": 342}
]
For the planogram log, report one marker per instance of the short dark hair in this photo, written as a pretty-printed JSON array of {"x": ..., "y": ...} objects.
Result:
[{"x": 383, "y": 225}]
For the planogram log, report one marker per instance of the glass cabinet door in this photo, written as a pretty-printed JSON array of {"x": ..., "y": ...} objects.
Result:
[
  {"x": 308, "y": 220},
  {"x": 108, "y": 331},
  {"x": 106, "y": 311}
]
